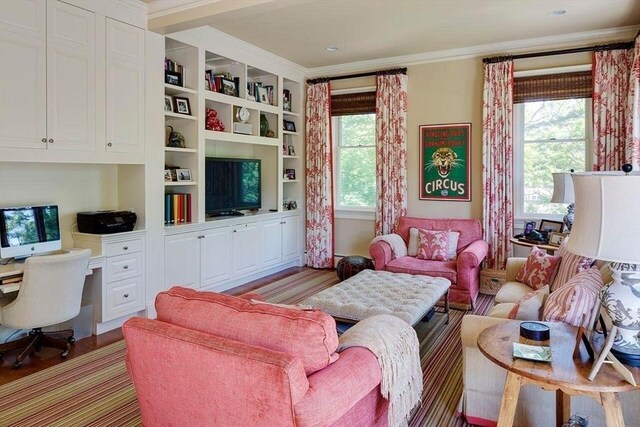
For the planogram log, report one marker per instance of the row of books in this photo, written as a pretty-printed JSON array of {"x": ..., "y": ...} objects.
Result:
[
  {"x": 259, "y": 92},
  {"x": 177, "y": 208},
  {"x": 222, "y": 83},
  {"x": 170, "y": 65}
]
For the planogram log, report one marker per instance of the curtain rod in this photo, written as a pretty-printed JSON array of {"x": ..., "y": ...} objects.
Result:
[
  {"x": 354, "y": 76},
  {"x": 610, "y": 46}
]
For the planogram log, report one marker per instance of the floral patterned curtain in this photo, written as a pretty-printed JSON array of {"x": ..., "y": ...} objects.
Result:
[
  {"x": 320, "y": 243},
  {"x": 497, "y": 155},
  {"x": 633, "y": 128},
  {"x": 391, "y": 151},
  {"x": 611, "y": 113}
]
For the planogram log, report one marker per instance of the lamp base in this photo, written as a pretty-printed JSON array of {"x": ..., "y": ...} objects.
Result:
[
  {"x": 629, "y": 359},
  {"x": 568, "y": 218}
]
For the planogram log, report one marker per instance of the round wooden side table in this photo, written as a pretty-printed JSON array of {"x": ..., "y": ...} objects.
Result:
[
  {"x": 549, "y": 248},
  {"x": 566, "y": 375}
]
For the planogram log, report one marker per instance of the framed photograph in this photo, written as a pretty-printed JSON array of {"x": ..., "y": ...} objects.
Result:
[
  {"x": 555, "y": 239},
  {"x": 168, "y": 103},
  {"x": 551, "y": 226},
  {"x": 228, "y": 87},
  {"x": 181, "y": 105},
  {"x": 529, "y": 226},
  {"x": 291, "y": 151},
  {"x": 263, "y": 95},
  {"x": 288, "y": 125},
  {"x": 167, "y": 175},
  {"x": 183, "y": 174},
  {"x": 286, "y": 100},
  {"x": 290, "y": 173},
  {"x": 445, "y": 162},
  {"x": 173, "y": 78}
]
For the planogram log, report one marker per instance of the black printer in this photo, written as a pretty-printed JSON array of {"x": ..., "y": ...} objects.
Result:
[{"x": 106, "y": 222}]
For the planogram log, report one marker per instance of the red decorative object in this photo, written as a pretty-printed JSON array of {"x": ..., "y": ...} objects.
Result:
[{"x": 212, "y": 122}]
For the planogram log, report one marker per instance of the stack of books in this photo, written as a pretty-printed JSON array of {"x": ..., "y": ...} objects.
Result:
[{"x": 177, "y": 208}]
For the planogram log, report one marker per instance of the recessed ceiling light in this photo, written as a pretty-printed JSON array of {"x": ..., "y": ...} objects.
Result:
[
  {"x": 558, "y": 12},
  {"x": 332, "y": 48}
]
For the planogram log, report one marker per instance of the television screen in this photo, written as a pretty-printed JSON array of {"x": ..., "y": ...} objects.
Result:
[
  {"x": 28, "y": 230},
  {"x": 232, "y": 184}
]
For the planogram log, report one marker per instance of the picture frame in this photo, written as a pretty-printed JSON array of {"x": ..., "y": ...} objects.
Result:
[
  {"x": 555, "y": 239},
  {"x": 167, "y": 175},
  {"x": 445, "y": 162},
  {"x": 168, "y": 103},
  {"x": 286, "y": 100},
  {"x": 181, "y": 105},
  {"x": 291, "y": 150},
  {"x": 183, "y": 175},
  {"x": 289, "y": 125},
  {"x": 173, "y": 78},
  {"x": 263, "y": 95},
  {"x": 229, "y": 87},
  {"x": 529, "y": 226},
  {"x": 290, "y": 174},
  {"x": 551, "y": 226}
]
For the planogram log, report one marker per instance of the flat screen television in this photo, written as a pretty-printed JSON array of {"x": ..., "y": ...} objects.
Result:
[
  {"x": 232, "y": 185},
  {"x": 29, "y": 230}
]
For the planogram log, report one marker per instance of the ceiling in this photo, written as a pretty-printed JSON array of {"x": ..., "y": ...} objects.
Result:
[{"x": 365, "y": 30}]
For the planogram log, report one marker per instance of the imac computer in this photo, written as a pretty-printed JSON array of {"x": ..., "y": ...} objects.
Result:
[{"x": 29, "y": 230}]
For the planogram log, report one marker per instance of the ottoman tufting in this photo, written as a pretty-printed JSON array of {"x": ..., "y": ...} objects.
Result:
[{"x": 352, "y": 265}]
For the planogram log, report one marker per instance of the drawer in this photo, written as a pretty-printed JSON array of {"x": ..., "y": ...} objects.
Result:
[
  {"x": 124, "y": 266},
  {"x": 125, "y": 247},
  {"x": 124, "y": 297}
]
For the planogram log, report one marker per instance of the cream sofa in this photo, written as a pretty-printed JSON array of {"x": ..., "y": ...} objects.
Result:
[{"x": 484, "y": 381}]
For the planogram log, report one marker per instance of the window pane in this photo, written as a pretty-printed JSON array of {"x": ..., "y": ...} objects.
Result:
[
  {"x": 357, "y": 179},
  {"x": 358, "y": 130},
  {"x": 547, "y": 120}
]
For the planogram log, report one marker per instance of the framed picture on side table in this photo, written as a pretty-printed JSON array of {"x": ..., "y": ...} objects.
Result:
[
  {"x": 549, "y": 226},
  {"x": 555, "y": 239}
]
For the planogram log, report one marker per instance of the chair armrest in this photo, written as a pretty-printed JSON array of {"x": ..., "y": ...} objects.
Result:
[
  {"x": 381, "y": 254},
  {"x": 514, "y": 264},
  {"x": 473, "y": 325},
  {"x": 357, "y": 370},
  {"x": 473, "y": 255}
]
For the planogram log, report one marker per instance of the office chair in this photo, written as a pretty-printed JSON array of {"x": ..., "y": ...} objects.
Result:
[{"x": 51, "y": 293}]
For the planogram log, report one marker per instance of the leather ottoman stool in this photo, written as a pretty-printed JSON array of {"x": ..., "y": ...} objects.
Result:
[{"x": 352, "y": 265}]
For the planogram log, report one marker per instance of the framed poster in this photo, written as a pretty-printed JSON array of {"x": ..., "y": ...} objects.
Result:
[{"x": 445, "y": 162}]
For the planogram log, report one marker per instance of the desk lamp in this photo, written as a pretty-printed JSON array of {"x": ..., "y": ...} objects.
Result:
[
  {"x": 607, "y": 227},
  {"x": 563, "y": 193}
]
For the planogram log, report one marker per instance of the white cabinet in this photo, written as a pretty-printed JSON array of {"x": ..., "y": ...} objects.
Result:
[
  {"x": 247, "y": 255},
  {"x": 125, "y": 112},
  {"x": 280, "y": 240},
  {"x": 182, "y": 260},
  {"x": 290, "y": 238},
  {"x": 215, "y": 256}
]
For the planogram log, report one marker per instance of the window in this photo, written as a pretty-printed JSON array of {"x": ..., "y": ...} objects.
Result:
[
  {"x": 550, "y": 136},
  {"x": 354, "y": 141}
]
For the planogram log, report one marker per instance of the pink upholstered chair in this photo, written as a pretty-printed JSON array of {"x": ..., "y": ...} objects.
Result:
[
  {"x": 213, "y": 359},
  {"x": 463, "y": 272}
]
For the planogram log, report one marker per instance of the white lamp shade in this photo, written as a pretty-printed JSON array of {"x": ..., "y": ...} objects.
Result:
[
  {"x": 607, "y": 217},
  {"x": 562, "y": 188}
]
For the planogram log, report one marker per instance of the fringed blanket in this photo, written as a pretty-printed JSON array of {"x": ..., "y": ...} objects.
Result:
[
  {"x": 396, "y": 346},
  {"x": 398, "y": 245}
]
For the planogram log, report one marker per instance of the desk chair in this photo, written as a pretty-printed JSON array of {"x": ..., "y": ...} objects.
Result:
[{"x": 51, "y": 293}]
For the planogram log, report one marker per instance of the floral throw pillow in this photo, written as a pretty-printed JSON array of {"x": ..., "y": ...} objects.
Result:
[
  {"x": 433, "y": 245},
  {"x": 538, "y": 270}
]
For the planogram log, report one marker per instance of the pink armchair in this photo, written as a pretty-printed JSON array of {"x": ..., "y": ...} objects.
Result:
[
  {"x": 463, "y": 272},
  {"x": 213, "y": 359}
]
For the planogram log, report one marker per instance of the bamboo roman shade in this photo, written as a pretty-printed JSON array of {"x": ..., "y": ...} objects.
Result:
[
  {"x": 353, "y": 103},
  {"x": 552, "y": 87}
]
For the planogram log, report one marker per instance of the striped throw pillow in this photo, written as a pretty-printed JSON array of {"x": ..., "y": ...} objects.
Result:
[
  {"x": 570, "y": 265},
  {"x": 568, "y": 303}
]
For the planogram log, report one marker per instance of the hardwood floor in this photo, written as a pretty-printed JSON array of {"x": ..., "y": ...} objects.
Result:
[{"x": 50, "y": 356}]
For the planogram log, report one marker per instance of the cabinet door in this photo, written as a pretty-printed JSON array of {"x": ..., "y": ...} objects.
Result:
[
  {"x": 271, "y": 242},
  {"x": 71, "y": 77},
  {"x": 125, "y": 88},
  {"x": 290, "y": 238},
  {"x": 182, "y": 260},
  {"x": 247, "y": 248},
  {"x": 215, "y": 256},
  {"x": 23, "y": 52}
]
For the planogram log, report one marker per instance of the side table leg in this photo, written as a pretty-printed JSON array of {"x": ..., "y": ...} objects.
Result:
[
  {"x": 612, "y": 409},
  {"x": 563, "y": 407},
  {"x": 509, "y": 400}
]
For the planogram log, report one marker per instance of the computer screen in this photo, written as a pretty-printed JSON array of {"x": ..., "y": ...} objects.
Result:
[{"x": 29, "y": 230}]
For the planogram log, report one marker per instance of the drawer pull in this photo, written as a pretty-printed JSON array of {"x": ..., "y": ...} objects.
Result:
[
  {"x": 126, "y": 267},
  {"x": 126, "y": 295},
  {"x": 125, "y": 248}
]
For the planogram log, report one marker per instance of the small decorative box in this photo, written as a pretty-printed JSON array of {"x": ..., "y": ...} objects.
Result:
[{"x": 534, "y": 331}]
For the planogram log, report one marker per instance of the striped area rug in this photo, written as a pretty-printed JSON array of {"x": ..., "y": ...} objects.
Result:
[{"x": 95, "y": 390}]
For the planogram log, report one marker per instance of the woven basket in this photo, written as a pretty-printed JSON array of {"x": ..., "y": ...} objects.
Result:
[{"x": 491, "y": 280}]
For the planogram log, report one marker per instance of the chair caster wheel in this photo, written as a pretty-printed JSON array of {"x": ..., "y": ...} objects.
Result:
[
  {"x": 71, "y": 340},
  {"x": 17, "y": 365}
]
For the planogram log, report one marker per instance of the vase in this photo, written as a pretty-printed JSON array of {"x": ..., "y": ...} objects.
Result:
[{"x": 264, "y": 125}]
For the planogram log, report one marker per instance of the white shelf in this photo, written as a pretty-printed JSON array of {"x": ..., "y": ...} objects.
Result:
[
  {"x": 288, "y": 132},
  {"x": 179, "y": 183},
  {"x": 284, "y": 156},
  {"x": 290, "y": 180},
  {"x": 291, "y": 113},
  {"x": 180, "y": 150},
  {"x": 177, "y": 90},
  {"x": 228, "y": 99},
  {"x": 171, "y": 115},
  {"x": 213, "y": 135}
]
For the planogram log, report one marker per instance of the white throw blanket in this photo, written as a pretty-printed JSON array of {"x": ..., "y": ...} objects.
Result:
[
  {"x": 396, "y": 346},
  {"x": 398, "y": 246}
]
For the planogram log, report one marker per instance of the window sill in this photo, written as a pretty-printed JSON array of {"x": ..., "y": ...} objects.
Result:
[{"x": 359, "y": 214}]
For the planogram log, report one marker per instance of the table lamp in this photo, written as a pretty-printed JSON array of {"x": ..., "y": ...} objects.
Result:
[
  {"x": 607, "y": 227},
  {"x": 563, "y": 193}
]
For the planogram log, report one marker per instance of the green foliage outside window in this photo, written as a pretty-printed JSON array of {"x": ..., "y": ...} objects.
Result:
[{"x": 357, "y": 161}]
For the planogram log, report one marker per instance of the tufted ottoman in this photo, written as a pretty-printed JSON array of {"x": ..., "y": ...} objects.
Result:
[
  {"x": 372, "y": 292},
  {"x": 352, "y": 265}
]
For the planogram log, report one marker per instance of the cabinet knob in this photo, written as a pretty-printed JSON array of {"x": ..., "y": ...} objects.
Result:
[
  {"x": 109, "y": 144},
  {"x": 126, "y": 267},
  {"x": 125, "y": 248},
  {"x": 44, "y": 140},
  {"x": 126, "y": 295},
  {"x": 51, "y": 140}
]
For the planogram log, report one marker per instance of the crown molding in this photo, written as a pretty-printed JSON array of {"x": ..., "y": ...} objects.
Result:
[
  {"x": 510, "y": 47},
  {"x": 159, "y": 8}
]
